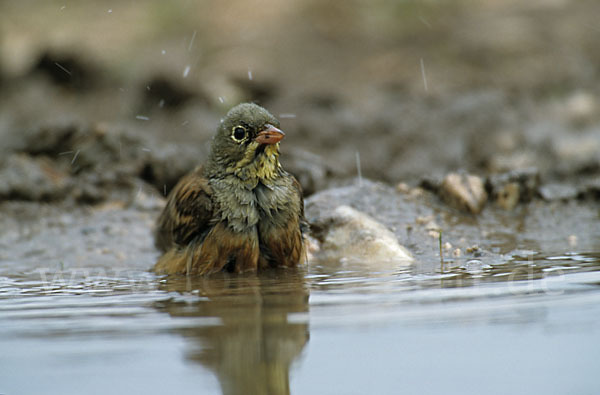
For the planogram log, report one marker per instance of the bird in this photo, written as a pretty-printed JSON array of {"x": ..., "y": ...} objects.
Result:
[{"x": 240, "y": 211}]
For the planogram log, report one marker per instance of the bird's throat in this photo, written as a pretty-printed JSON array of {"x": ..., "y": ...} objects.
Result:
[
  {"x": 267, "y": 163},
  {"x": 259, "y": 165}
]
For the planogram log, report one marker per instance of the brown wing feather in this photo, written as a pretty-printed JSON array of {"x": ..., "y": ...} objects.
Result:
[
  {"x": 188, "y": 212},
  {"x": 304, "y": 226}
]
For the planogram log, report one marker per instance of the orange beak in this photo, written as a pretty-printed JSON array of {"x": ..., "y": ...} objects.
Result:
[{"x": 269, "y": 135}]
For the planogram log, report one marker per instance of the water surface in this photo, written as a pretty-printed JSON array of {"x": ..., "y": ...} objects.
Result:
[{"x": 322, "y": 329}]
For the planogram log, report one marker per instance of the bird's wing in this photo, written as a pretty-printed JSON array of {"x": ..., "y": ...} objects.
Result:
[
  {"x": 188, "y": 212},
  {"x": 304, "y": 226}
]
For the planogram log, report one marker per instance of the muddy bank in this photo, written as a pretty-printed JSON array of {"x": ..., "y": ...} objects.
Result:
[
  {"x": 487, "y": 137},
  {"x": 515, "y": 190}
]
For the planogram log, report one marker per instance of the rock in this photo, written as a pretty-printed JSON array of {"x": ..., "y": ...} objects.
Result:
[
  {"x": 508, "y": 195},
  {"x": 581, "y": 107},
  {"x": 311, "y": 170},
  {"x": 431, "y": 183},
  {"x": 98, "y": 158},
  {"x": 349, "y": 235},
  {"x": 464, "y": 192},
  {"x": 550, "y": 192},
  {"x": 403, "y": 187},
  {"x": 395, "y": 211},
  {"x": 162, "y": 92},
  {"x": 69, "y": 71},
  {"x": 577, "y": 153},
  {"x": 474, "y": 249},
  {"x": 509, "y": 189},
  {"x": 27, "y": 178},
  {"x": 165, "y": 166},
  {"x": 501, "y": 162},
  {"x": 591, "y": 189},
  {"x": 50, "y": 140},
  {"x": 93, "y": 147},
  {"x": 93, "y": 188},
  {"x": 429, "y": 225}
]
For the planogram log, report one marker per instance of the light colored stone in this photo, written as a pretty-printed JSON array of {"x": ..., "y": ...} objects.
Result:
[
  {"x": 556, "y": 191},
  {"x": 355, "y": 237},
  {"x": 403, "y": 187},
  {"x": 508, "y": 195},
  {"x": 464, "y": 192}
]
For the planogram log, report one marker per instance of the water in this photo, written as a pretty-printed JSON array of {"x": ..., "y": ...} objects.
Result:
[{"x": 528, "y": 325}]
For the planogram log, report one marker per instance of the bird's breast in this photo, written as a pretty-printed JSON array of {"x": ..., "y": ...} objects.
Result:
[
  {"x": 237, "y": 204},
  {"x": 243, "y": 208}
]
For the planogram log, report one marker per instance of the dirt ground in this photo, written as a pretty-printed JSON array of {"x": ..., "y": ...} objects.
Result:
[{"x": 101, "y": 100}]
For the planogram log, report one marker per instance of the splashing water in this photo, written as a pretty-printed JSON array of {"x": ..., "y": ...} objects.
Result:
[
  {"x": 192, "y": 41},
  {"x": 423, "y": 74}
]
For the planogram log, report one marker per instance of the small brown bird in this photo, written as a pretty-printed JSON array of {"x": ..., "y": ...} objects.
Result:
[{"x": 240, "y": 211}]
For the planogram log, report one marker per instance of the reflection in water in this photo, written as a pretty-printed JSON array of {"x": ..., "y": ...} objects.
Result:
[{"x": 253, "y": 346}]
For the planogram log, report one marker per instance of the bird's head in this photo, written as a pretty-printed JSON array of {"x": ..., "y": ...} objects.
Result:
[{"x": 247, "y": 144}]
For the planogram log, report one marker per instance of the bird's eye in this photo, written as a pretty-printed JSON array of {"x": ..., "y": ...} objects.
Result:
[{"x": 238, "y": 133}]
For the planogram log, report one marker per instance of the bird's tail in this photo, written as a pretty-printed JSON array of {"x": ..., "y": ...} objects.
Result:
[{"x": 177, "y": 260}]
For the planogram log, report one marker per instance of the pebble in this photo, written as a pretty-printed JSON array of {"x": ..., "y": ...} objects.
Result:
[
  {"x": 550, "y": 192},
  {"x": 472, "y": 249},
  {"x": 403, "y": 188},
  {"x": 510, "y": 188},
  {"x": 464, "y": 192},
  {"x": 508, "y": 195}
]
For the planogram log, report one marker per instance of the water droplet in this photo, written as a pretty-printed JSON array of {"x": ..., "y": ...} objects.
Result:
[
  {"x": 423, "y": 75},
  {"x": 192, "y": 41}
]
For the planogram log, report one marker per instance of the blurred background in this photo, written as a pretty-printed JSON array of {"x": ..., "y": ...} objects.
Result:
[
  {"x": 104, "y": 105},
  {"x": 407, "y": 88}
]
